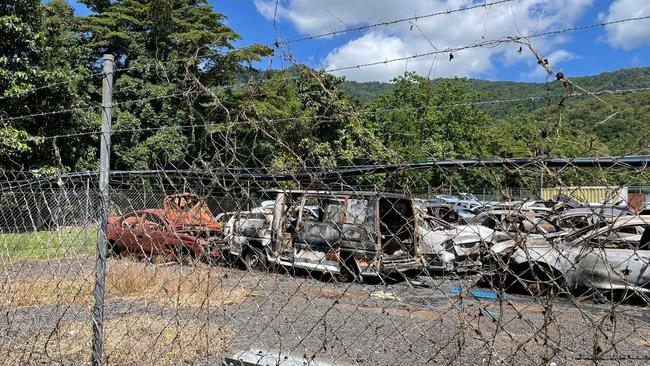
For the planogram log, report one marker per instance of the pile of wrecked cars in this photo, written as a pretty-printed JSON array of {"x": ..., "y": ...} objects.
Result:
[{"x": 542, "y": 246}]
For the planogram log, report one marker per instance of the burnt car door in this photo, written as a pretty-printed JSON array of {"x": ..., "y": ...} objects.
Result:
[
  {"x": 133, "y": 233},
  {"x": 616, "y": 258},
  {"x": 156, "y": 238},
  {"x": 319, "y": 223},
  {"x": 358, "y": 233},
  {"x": 121, "y": 232},
  {"x": 397, "y": 227}
]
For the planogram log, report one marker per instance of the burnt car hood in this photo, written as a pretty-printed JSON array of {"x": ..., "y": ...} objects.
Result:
[{"x": 465, "y": 239}]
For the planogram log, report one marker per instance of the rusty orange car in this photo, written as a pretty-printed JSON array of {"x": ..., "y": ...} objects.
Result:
[
  {"x": 189, "y": 212},
  {"x": 183, "y": 229}
]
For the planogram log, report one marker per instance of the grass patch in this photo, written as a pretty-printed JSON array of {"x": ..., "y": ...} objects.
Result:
[
  {"x": 129, "y": 340},
  {"x": 48, "y": 244},
  {"x": 169, "y": 286}
]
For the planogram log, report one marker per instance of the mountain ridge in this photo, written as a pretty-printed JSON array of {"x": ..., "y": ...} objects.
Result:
[{"x": 628, "y": 78}]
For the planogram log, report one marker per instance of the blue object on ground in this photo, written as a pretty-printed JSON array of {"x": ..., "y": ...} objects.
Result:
[{"x": 481, "y": 294}]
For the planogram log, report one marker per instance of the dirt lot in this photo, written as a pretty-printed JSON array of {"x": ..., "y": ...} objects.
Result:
[{"x": 171, "y": 314}]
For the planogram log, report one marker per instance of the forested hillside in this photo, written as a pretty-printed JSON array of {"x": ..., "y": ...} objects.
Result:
[
  {"x": 186, "y": 97},
  {"x": 497, "y": 90}
]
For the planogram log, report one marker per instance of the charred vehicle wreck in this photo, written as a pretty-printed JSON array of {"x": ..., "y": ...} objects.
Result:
[
  {"x": 189, "y": 213},
  {"x": 350, "y": 235},
  {"x": 448, "y": 248},
  {"x": 183, "y": 229},
  {"x": 611, "y": 259}
]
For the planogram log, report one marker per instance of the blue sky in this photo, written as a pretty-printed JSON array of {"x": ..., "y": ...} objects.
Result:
[{"x": 576, "y": 53}]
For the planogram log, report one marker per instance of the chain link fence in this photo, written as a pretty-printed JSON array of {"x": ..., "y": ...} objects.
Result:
[{"x": 325, "y": 268}]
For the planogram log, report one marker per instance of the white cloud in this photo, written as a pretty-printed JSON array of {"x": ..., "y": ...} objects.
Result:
[
  {"x": 632, "y": 34},
  {"x": 450, "y": 30}
]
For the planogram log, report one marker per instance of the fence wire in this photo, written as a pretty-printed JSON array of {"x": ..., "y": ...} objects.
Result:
[
  {"x": 275, "y": 222},
  {"x": 373, "y": 268}
]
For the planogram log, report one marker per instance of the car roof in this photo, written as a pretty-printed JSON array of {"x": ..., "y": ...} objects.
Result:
[
  {"x": 507, "y": 212},
  {"x": 155, "y": 211},
  {"x": 630, "y": 220},
  {"x": 436, "y": 205},
  {"x": 336, "y": 193},
  {"x": 593, "y": 210},
  {"x": 448, "y": 197}
]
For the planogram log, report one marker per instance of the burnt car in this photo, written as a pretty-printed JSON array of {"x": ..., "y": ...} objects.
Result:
[
  {"x": 586, "y": 217},
  {"x": 458, "y": 249},
  {"x": 188, "y": 212},
  {"x": 449, "y": 213},
  {"x": 613, "y": 258},
  {"x": 351, "y": 235},
  {"x": 149, "y": 233},
  {"x": 247, "y": 233},
  {"x": 518, "y": 223}
]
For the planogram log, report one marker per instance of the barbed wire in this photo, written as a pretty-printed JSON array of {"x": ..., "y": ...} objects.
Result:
[
  {"x": 50, "y": 113},
  {"x": 32, "y": 90},
  {"x": 327, "y": 173},
  {"x": 489, "y": 43},
  {"x": 390, "y": 22},
  {"x": 326, "y": 117}
]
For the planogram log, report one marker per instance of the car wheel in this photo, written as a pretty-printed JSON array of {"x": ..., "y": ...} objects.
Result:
[
  {"x": 540, "y": 281},
  {"x": 112, "y": 250},
  {"x": 254, "y": 258},
  {"x": 602, "y": 296},
  {"x": 183, "y": 255},
  {"x": 349, "y": 273}
]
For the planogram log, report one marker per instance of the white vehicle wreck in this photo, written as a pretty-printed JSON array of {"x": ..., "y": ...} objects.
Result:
[
  {"x": 448, "y": 248},
  {"x": 613, "y": 258},
  {"x": 350, "y": 235}
]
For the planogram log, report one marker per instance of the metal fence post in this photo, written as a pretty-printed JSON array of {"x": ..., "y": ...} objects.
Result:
[{"x": 104, "y": 159}]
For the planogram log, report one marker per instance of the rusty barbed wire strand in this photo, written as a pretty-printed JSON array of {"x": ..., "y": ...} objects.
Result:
[
  {"x": 490, "y": 43},
  {"x": 321, "y": 118},
  {"x": 390, "y": 22}
]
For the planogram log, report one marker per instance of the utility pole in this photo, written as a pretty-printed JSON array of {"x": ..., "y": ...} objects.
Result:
[
  {"x": 104, "y": 161},
  {"x": 542, "y": 136}
]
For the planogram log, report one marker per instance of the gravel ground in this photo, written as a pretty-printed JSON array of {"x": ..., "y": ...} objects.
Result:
[{"x": 46, "y": 308}]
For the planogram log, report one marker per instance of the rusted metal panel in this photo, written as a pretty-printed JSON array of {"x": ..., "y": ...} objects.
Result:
[
  {"x": 635, "y": 201},
  {"x": 189, "y": 210}
]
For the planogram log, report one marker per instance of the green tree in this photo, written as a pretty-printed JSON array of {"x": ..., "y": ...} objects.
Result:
[
  {"x": 169, "y": 55},
  {"x": 422, "y": 120},
  {"x": 301, "y": 118},
  {"x": 40, "y": 44}
]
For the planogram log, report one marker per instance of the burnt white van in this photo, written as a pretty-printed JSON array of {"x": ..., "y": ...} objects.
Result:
[{"x": 351, "y": 235}]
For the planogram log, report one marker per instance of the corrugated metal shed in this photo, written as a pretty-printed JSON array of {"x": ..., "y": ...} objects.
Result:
[{"x": 589, "y": 194}]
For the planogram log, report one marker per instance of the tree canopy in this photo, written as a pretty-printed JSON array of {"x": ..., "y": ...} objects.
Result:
[{"x": 174, "y": 57}]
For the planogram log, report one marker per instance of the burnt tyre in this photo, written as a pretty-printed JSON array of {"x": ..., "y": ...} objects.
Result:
[
  {"x": 349, "y": 272},
  {"x": 112, "y": 250},
  {"x": 183, "y": 255},
  {"x": 255, "y": 259},
  {"x": 540, "y": 280}
]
